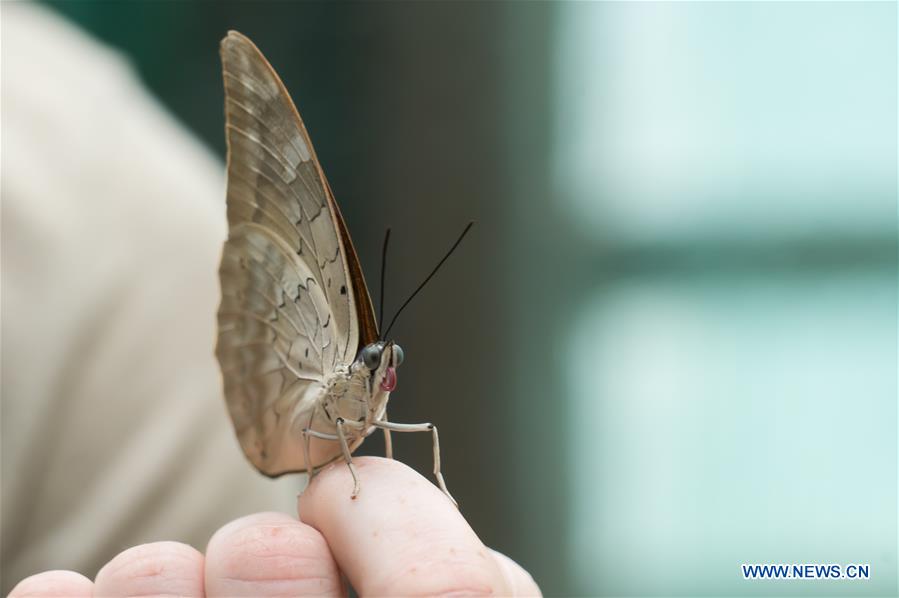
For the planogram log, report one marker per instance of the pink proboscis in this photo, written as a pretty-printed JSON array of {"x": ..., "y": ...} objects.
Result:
[{"x": 389, "y": 381}]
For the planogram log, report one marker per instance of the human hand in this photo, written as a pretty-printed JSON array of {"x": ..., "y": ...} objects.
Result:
[{"x": 400, "y": 537}]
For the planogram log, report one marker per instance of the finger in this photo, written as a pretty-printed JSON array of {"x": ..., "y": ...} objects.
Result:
[
  {"x": 151, "y": 569},
  {"x": 270, "y": 554},
  {"x": 401, "y": 536},
  {"x": 519, "y": 580},
  {"x": 54, "y": 583}
]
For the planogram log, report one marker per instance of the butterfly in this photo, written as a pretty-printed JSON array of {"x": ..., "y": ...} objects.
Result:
[{"x": 307, "y": 375}]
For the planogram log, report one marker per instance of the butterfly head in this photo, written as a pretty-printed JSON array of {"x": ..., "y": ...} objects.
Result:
[{"x": 382, "y": 358}]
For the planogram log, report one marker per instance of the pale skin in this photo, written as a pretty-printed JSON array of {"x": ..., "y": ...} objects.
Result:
[{"x": 401, "y": 536}]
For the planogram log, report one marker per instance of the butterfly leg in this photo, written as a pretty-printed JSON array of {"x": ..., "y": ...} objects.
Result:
[
  {"x": 341, "y": 438},
  {"x": 344, "y": 448},
  {"x": 346, "y": 455},
  {"x": 388, "y": 426},
  {"x": 307, "y": 447},
  {"x": 388, "y": 441}
]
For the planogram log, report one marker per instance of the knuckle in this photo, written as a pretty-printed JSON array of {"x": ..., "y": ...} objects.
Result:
[
  {"x": 516, "y": 576},
  {"x": 449, "y": 589},
  {"x": 454, "y": 575}
]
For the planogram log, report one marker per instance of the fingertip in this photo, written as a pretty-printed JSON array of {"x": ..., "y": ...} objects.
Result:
[
  {"x": 54, "y": 583},
  {"x": 401, "y": 536},
  {"x": 150, "y": 569},
  {"x": 270, "y": 554}
]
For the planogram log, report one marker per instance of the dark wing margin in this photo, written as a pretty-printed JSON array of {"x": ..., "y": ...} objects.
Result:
[{"x": 368, "y": 326}]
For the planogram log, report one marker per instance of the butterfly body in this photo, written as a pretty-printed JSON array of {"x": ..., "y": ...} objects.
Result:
[
  {"x": 356, "y": 395},
  {"x": 306, "y": 374}
]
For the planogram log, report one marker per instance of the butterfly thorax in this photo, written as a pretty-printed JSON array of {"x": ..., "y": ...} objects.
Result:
[{"x": 355, "y": 395}]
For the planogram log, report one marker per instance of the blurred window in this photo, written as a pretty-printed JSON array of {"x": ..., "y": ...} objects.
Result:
[{"x": 731, "y": 170}]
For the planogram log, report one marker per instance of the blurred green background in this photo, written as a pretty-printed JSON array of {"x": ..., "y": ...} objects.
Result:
[{"x": 670, "y": 347}]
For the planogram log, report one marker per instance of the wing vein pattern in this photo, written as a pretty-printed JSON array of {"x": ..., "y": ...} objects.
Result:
[{"x": 287, "y": 318}]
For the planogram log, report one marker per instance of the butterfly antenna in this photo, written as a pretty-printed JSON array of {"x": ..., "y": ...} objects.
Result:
[
  {"x": 430, "y": 276},
  {"x": 383, "y": 275}
]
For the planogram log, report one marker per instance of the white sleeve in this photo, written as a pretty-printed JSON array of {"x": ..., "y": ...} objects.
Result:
[{"x": 114, "y": 431}]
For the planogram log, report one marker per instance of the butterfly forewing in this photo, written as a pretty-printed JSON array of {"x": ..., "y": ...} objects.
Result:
[{"x": 289, "y": 313}]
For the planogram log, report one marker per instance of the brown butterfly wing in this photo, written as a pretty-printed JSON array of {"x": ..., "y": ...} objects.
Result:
[{"x": 294, "y": 303}]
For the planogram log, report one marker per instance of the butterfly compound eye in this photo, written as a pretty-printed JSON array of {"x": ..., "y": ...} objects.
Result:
[
  {"x": 371, "y": 356},
  {"x": 398, "y": 355}
]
